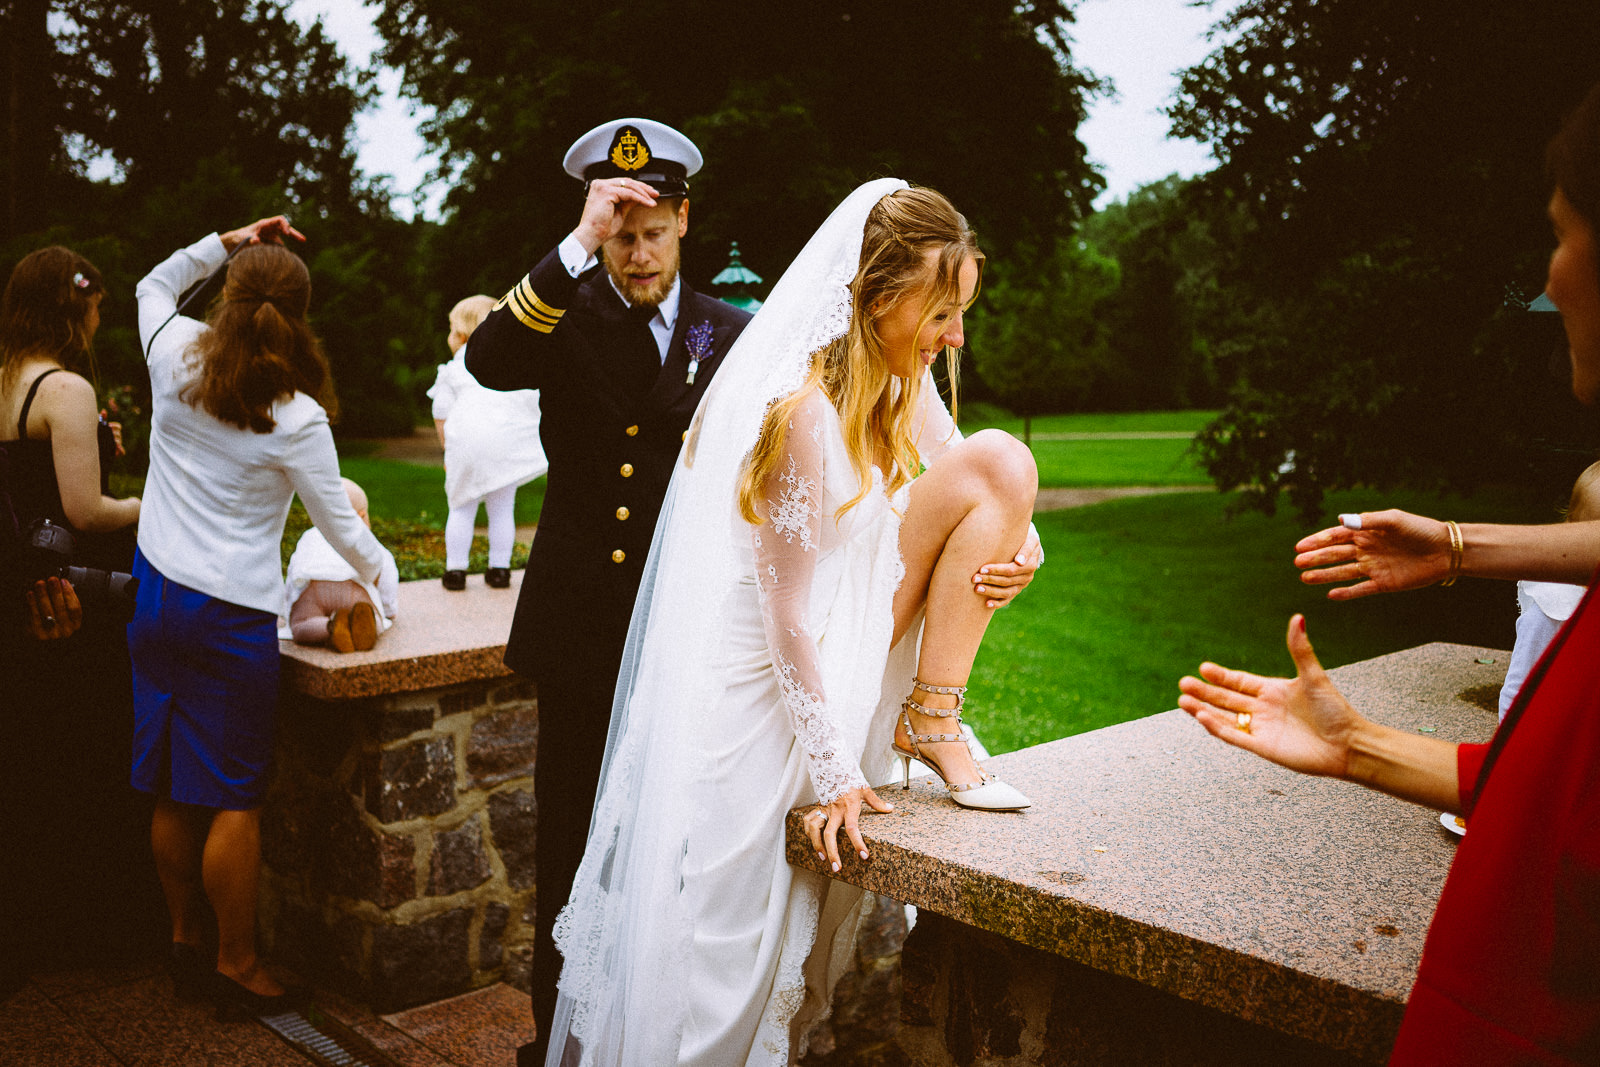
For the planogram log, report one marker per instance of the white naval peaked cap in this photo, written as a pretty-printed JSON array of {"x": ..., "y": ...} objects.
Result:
[{"x": 649, "y": 151}]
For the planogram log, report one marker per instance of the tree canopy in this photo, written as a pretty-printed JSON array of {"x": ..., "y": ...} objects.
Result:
[
  {"x": 210, "y": 114},
  {"x": 792, "y": 105},
  {"x": 1039, "y": 338},
  {"x": 1387, "y": 162}
]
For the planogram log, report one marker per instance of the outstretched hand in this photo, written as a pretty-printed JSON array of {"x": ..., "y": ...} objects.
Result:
[
  {"x": 272, "y": 230},
  {"x": 1391, "y": 551},
  {"x": 606, "y": 207},
  {"x": 1303, "y": 723},
  {"x": 825, "y": 820}
]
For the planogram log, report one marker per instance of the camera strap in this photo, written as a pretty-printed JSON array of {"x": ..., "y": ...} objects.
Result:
[{"x": 199, "y": 287}]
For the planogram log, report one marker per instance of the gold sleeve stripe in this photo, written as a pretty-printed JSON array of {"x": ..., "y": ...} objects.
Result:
[
  {"x": 524, "y": 318},
  {"x": 525, "y": 310},
  {"x": 513, "y": 301},
  {"x": 531, "y": 297}
]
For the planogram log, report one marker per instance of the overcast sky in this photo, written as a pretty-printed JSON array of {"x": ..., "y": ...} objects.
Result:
[{"x": 1138, "y": 44}]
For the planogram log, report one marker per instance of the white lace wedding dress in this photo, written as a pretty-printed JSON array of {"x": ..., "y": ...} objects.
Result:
[{"x": 759, "y": 676}]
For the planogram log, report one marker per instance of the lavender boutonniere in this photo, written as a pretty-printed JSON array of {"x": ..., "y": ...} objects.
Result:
[{"x": 698, "y": 342}]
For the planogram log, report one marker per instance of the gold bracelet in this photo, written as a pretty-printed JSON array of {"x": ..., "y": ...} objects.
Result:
[{"x": 1458, "y": 549}]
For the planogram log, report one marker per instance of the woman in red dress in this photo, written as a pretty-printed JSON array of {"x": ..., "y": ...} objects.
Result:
[{"x": 1510, "y": 971}]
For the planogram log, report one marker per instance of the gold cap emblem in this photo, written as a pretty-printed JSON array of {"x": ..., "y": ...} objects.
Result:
[{"x": 629, "y": 150}]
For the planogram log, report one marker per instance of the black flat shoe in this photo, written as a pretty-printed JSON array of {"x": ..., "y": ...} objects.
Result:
[
  {"x": 455, "y": 581},
  {"x": 497, "y": 578},
  {"x": 235, "y": 1003},
  {"x": 188, "y": 970}
]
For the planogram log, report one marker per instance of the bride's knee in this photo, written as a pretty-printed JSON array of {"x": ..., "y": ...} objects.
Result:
[{"x": 1006, "y": 467}]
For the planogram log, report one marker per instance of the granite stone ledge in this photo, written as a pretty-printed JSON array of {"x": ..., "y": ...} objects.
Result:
[
  {"x": 439, "y": 638},
  {"x": 1155, "y": 852}
]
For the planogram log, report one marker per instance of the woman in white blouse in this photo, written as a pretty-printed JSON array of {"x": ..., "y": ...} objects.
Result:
[{"x": 239, "y": 425}]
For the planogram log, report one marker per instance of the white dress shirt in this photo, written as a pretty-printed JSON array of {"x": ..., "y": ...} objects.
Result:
[
  {"x": 216, "y": 496},
  {"x": 1542, "y": 609}
]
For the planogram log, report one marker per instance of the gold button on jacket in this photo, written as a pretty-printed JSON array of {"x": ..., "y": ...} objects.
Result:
[
  {"x": 622, "y": 513},
  {"x": 618, "y": 556},
  {"x": 627, "y": 470},
  {"x": 631, "y": 431}
]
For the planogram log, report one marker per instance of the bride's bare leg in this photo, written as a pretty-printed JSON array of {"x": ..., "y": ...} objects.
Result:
[{"x": 969, "y": 510}]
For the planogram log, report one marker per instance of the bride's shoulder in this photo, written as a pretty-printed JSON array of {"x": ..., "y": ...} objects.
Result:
[
  {"x": 813, "y": 405},
  {"x": 813, "y": 415}
]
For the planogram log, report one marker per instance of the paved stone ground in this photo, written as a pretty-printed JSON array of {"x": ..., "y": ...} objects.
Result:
[{"x": 423, "y": 447}]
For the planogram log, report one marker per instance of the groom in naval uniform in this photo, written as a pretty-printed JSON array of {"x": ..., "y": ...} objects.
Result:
[{"x": 621, "y": 350}]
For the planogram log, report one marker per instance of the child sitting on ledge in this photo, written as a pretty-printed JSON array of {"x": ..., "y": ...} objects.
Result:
[{"x": 326, "y": 603}]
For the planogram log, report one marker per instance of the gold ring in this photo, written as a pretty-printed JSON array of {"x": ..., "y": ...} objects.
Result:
[{"x": 1242, "y": 721}]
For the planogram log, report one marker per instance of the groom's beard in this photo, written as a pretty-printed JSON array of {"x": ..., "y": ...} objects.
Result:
[{"x": 651, "y": 293}]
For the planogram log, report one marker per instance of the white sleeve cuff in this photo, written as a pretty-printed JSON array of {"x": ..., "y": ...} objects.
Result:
[{"x": 574, "y": 257}]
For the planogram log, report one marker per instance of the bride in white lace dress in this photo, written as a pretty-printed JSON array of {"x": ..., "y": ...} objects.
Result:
[{"x": 806, "y": 568}]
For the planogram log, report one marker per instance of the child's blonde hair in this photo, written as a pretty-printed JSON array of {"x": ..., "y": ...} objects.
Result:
[
  {"x": 466, "y": 315},
  {"x": 1584, "y": 506}
]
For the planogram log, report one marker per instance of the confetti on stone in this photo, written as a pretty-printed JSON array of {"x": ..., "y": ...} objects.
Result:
[
  {"x": 1099, "y": 850},
  {"x": 1427, "y": 729},
  {"x": 1485, "y": 660}
]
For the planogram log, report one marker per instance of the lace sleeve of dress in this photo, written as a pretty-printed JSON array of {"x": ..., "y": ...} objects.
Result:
[{"x": 786, "y": 546}]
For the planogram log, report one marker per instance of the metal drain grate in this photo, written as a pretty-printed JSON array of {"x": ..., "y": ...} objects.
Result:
[{"x": 325, "y": 1040}]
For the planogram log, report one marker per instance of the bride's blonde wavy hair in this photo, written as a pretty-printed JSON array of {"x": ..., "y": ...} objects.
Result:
[{"x": 853, "y": 371}]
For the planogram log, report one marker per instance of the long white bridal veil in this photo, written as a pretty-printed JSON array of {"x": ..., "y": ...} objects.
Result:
[{"x": 625, "y": 933}]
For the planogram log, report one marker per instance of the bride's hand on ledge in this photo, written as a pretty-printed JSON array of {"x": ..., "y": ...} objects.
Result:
[{"x": 825, "y": 820}]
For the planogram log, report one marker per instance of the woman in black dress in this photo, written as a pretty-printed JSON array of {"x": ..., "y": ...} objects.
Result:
[{"x": 67, "y": 697}]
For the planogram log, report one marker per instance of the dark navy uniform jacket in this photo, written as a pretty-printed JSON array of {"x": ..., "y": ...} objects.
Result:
[{"x": 612, "y": 420}]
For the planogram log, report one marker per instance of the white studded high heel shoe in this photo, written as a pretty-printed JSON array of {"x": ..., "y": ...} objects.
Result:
[{"x": 990, "y": 794}]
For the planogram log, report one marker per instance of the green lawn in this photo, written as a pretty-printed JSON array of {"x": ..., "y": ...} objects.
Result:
[
  {"x": 415, "y": 492},
  {"x": 1094, "y": 463},
  {"x": 1136, "y": 592}
]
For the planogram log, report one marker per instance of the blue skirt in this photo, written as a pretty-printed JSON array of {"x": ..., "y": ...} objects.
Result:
[{"x": 205, "y": 694}]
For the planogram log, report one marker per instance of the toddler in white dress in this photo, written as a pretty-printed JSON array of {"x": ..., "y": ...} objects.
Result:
[{"x": 491, "y": 446}]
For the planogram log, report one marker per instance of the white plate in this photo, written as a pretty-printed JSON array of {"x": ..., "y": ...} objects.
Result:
[{"x": 1453, "y": 822}]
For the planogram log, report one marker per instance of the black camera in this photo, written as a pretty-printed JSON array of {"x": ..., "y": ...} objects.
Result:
[{"x": 46, "y": 552}]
